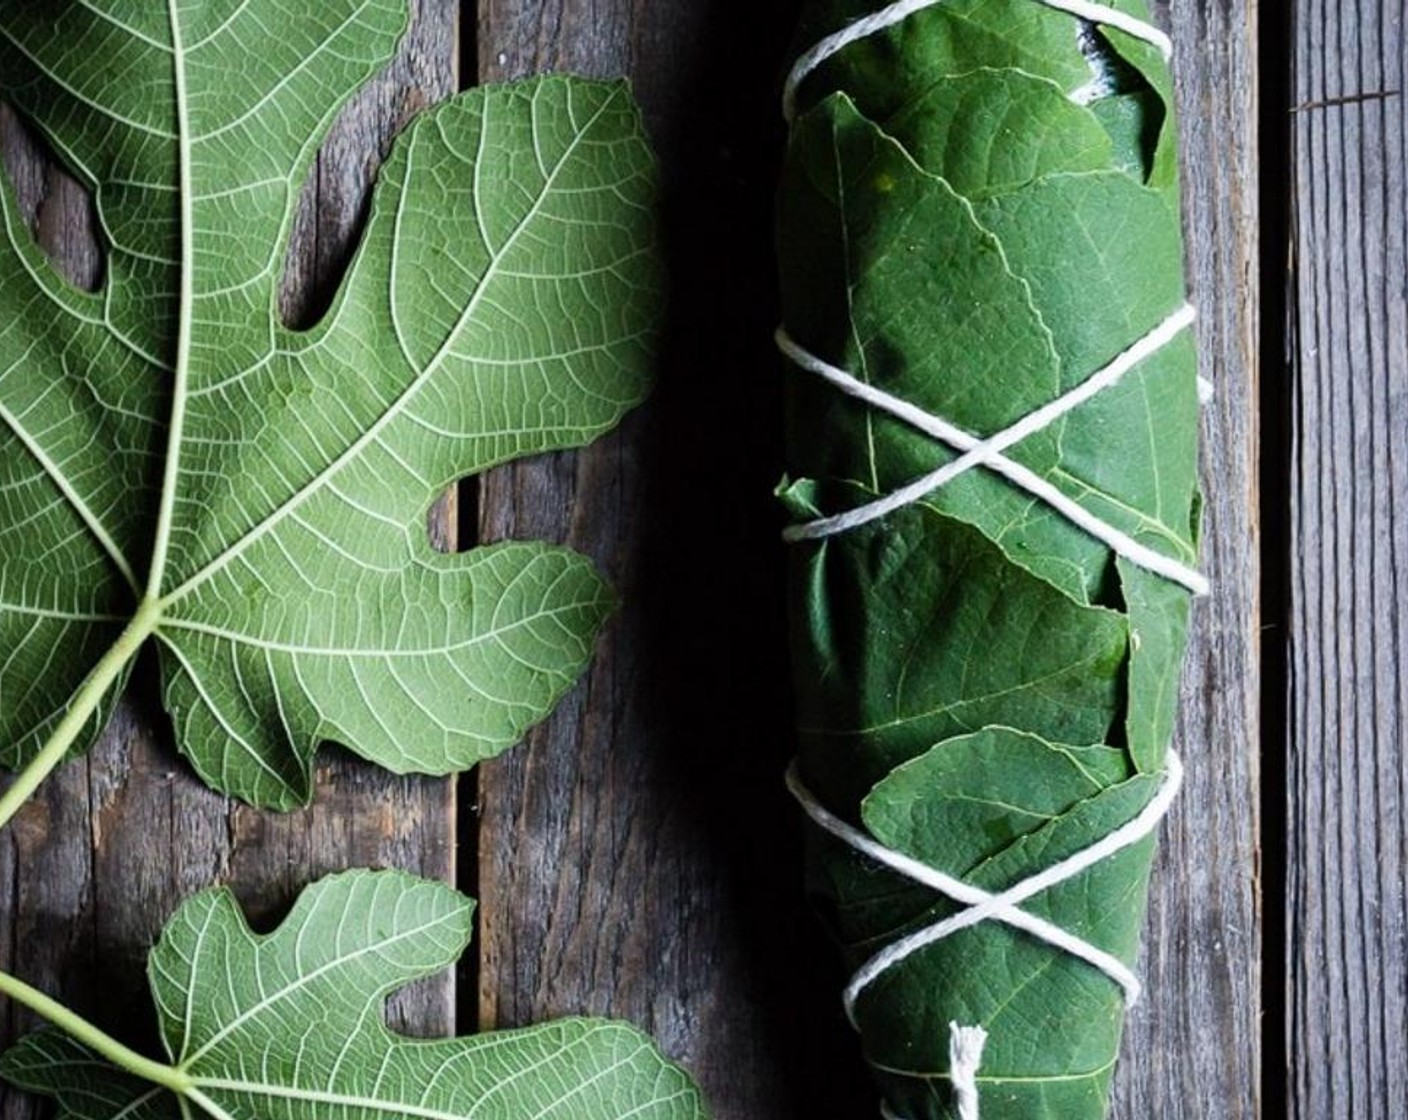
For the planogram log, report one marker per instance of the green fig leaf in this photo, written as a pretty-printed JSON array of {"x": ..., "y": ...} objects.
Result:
[
  {"x": 254, "y": 497},
  {"x": 292, "y": 1025}
]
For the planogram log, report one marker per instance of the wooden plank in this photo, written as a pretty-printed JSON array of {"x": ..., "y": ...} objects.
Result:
[
  {"x": 1347, "y": 932},
  {"x": 640, "y": 858},
  {"x": 1193, "y": 1044},
  {"x": 91, "y": 869}
]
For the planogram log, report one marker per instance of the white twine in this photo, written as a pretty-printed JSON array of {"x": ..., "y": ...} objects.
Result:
[
  {"x": 988, "y": 453},
  {"x": 1104, "y": 81},
  {"x": 900, "y": 11},
  {"x": 984, "y": 906},
  {"x": 965, "y": 1057},
  {"x": 978, "y": 452}
]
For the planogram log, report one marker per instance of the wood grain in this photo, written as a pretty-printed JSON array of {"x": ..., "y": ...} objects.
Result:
[
  {"x": 92, "y": 868},
  {"x": 640, "y": 857},
  {"x": 1347, "y": 933},
  {"x": 1193, "y": 1046}
]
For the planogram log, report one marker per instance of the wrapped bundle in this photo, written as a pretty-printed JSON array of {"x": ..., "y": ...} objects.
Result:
[{"x": 993, "y": 411}]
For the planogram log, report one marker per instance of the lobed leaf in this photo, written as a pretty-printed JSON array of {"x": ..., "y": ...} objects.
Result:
[
  {"x": 290, "y": 1026},
  {"x": 166, "y": 443}
]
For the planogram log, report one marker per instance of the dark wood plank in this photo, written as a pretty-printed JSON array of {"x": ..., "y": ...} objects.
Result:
[
  {"x": 1347, "y": 932},
  {"x": 1193, "y": 1045},
  {"x": 91, "y": 869},
  {"x": 640, "y": 858}
]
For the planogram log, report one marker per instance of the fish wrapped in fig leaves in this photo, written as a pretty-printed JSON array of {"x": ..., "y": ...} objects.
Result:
[{"x": 979, "y": 237}]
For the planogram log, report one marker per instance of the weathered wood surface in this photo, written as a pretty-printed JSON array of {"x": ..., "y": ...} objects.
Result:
[
  {"x": 1193, "y": 1045},
  {"x": 91, "y": 869},
  {"x": 638, "y": 857},
  {"x": 1347, "y": 931}
]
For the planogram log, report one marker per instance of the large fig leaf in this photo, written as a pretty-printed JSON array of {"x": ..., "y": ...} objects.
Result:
[
  {"x": 291, "y": 1026},
  {"x": 256, "y": 496}
]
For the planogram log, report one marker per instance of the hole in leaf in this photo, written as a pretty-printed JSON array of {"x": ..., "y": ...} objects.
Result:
[
  {"x": 468, "y": 510},
  {"x": 443, "y": 522},
  {"x": 57, "y": 208}
]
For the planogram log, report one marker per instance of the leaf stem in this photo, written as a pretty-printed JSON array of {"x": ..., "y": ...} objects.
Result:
[
  {"x": 74, "y": 1025},
  {"x": 85, "y": 702}
]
